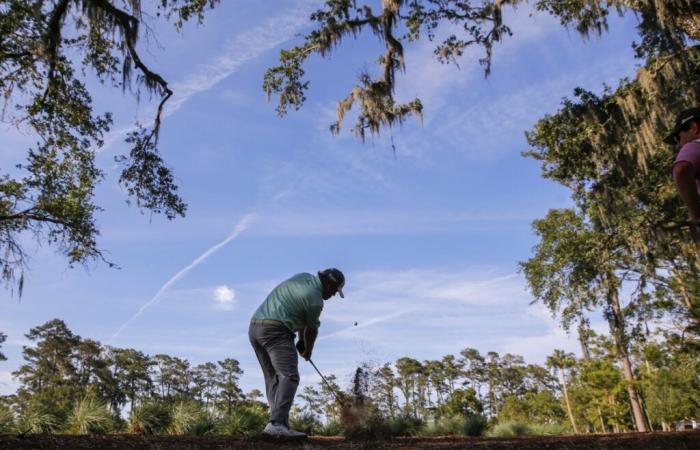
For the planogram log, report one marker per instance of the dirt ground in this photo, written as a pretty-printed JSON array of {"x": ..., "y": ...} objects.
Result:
[{"x": 685, "y": 440}]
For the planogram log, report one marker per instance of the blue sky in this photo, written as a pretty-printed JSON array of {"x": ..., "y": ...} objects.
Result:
[{"x": 428, "y": 235}]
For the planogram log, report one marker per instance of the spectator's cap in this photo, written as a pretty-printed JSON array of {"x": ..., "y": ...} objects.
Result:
[
  {"x": 337, "y": 278},
  {"x": 682, "y": 121}
]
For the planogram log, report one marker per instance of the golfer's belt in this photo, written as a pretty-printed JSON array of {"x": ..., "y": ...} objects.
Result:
[{"x": 266, "y": 322}]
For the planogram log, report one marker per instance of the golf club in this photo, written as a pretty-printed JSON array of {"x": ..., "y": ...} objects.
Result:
[
  {"x": 332, "y": 389},
  {"x": 300, "y": 348}
]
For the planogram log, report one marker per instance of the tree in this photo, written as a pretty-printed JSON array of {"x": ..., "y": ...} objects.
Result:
[
  {"x": 132, "y": 370},
  {"x": 561, "y": 361},
  {"x": 227, "y": 383},
  {"x": 408, "y": 370},
  {"x": 205, "y": 383},
  {"x": 3, "y": 336},
  {"x": 474, "y": 366},
  {"x": 573, "y": 267},
  {"x": 383, "y": 390},
  {"x": 173, "y": 376},
  {"x": 463, "y": 402},
  {"x": 48, "y": 48},
  {"x": 663, "y": 27},
  {"x": 48, "y": 376}
]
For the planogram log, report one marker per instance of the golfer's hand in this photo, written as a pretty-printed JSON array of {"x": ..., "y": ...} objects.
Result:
[{"x": 306, "y": 355}]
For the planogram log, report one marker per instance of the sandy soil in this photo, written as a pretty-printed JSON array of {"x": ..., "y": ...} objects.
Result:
[{"x": 685, "y": 440}]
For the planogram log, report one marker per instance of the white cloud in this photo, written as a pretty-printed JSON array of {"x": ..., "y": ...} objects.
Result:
[
  {"x": 241, "y": 226},
  {"x": 224, "y": 297}
]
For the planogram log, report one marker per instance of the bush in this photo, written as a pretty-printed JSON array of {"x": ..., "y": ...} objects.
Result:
[
  {"x": 243, "y": 421},
  {"x": 405, "y": 426},
  {"x": 150, "y": 418},
  {"x": 184, "y": 416},
  {"x": 205, "y": 425},
  {"x": 549, "y": 429},
  {"x": 474, "y": 426},
  {"x": 456, "y": 425},
  {"x": 7, "y": 420},
  {"x": 37, "y": 421},
  {"x": 89, "y": 416},
  {"x": 332, "y": 428},
  {"x": 305, "y": 422},
  {"x": 510, "y": 429}
]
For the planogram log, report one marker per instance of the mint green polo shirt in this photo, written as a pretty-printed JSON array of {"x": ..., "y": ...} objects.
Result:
[{"x": 296, "y": 302}]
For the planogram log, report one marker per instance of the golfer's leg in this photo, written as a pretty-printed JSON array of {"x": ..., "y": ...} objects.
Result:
[
  {"x": 254, "y": 333},
  {"x": 283, "y": 356}
]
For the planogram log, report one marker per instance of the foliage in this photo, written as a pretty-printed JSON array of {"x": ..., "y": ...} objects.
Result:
[
  {"x": 186, "y": 415},
  {"x": 405, "y": 426},
  {"x": 7, "y": 420},
  {"x": 69, "y": 383},
  {"x": 332, "y": 428},
  {"x": 532, "y": 407},
  {"x": 663, "y": 27},
  {"x": 456, "y": 425},
  {"x": 474, "y": 425},
  {"x": 37, "y": 420},
  {"x": 511, "y": 429},
  {"x": 49, "y": 52},
  {"x": 305, "y": 422},
  {"x": 243, "y": 421},
  {"x": 89, "y": 416},
  {"x": 151, "y": 417},
  {"x": 549, "y": 429}
]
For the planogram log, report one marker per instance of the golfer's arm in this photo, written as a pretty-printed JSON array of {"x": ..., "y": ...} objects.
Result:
[
  {"x": 683, "y": 175},
  {"x": 310, "y": 335}
]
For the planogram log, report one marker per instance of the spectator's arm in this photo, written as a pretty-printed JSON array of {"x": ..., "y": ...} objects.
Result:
[{"x": 684, "y": 176}]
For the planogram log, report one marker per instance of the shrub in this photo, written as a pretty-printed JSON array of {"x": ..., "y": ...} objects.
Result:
[
  {"x": 332, "y": 428},
  {"x": 549, "y": 429},
  {"x": 510, "y": 429},
  {"x": 405, "y": 426},
  {"x": 305, "y": 422},
  {"x": 150, "y": 418},
  {"x": 456, "y": 425},
  {"x": 37, "y": 421},
  {"x": 184, "y": 416},
  {"x": 474, "y": 426},
  {"x": 89, "y": 415},
  {"x": 205, "y": 425},
  {"x": 243, "y": 421},
  {"x": 444, "y": 426},
  {"x": 7, "y": 420}
]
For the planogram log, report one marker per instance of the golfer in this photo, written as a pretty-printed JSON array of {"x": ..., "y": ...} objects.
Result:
[
  {"x": 686, "y": 168},
  {"x": 292, "y": 307}
]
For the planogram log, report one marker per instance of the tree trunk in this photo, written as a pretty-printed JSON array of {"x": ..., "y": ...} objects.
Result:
[
  {"x": 566, "y": 400},
  {"x": 683, "y": 287},
  {"x": 617, "y": 330},
  {"x": 602, "y": 422}
]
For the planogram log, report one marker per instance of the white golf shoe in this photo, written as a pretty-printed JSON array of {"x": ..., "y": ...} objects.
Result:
[{"x": 282, "y": 431}]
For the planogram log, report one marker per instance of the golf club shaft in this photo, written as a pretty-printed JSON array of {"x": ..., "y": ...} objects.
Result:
[{"x": 332, "y": 389}]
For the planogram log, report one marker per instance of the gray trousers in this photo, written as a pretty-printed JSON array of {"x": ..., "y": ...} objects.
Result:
[{"x": 274, "y": 347}]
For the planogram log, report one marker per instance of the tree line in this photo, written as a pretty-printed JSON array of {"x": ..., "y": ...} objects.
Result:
[
  {"x": 72, "y": 384},
  {"x": 565, "y": 395},
  {"x": 66, "y": 379}
]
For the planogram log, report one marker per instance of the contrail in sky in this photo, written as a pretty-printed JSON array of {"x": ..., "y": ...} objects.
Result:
[{"x": 240, "y": 227}]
